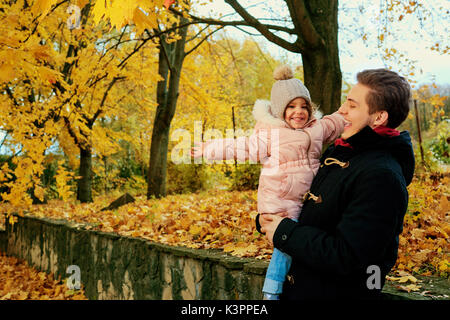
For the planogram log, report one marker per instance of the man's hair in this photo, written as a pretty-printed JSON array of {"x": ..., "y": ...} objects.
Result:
[{"x": 389, "y": 92}]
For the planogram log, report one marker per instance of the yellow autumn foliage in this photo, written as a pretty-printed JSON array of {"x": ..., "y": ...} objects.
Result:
[
  {"x": 62, "y": 179},
  {"x": 59, "y": 81}
]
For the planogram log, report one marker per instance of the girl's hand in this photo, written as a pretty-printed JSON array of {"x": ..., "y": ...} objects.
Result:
[
  {"x": 197, "y": 150},
  {"x": 269, "y": 223}
]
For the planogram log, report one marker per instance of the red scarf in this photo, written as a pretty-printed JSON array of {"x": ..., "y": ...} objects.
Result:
[
  {"x": 386, "y": 132},
  {"x": 381, "y": 130}
]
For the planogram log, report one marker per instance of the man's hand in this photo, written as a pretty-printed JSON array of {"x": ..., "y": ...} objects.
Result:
[{"x": 269, "y": 223}]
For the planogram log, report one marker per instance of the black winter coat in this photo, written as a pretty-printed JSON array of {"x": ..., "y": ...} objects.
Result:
[{"x": 350, "y": 224}]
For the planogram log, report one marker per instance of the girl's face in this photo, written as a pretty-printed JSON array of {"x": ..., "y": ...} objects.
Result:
[{"x": 296, "y": 113}]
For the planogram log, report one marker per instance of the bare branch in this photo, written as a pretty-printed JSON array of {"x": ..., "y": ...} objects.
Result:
[
  {"x": 198, "y": 33},
  {"x": 4, "y": 138},
  {"x": 263, "y": 29},
  {"x": 203, "y": 40},
  {"x": 236, "y": 23},
  {"x": 10, "y": 95},
  {"x": 102, "y": 103},
  {"x": 249, "y": 33}
]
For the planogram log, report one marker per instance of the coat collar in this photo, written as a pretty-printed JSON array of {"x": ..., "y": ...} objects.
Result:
[
  {"x": 399, "y": 146},
  {"x": 365, "y": 138}
]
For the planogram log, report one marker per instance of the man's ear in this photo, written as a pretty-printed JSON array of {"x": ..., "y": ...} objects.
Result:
[{"x": 381, "y": 118}]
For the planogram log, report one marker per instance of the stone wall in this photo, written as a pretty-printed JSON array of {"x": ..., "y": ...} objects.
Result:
[{"x": 118, "y": 267}]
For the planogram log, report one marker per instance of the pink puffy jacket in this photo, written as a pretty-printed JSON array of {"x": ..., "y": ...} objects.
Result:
[{"x": 290, "y": 158}]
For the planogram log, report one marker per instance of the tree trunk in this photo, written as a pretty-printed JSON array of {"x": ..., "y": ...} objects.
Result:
[
  {"x": 323, "y": 79},
  {"x": 171, "y": 58},
  {"x": 321, "y": 64},
  {"x": 84, "y": 193},
  {"x": 158, "y": 163}
]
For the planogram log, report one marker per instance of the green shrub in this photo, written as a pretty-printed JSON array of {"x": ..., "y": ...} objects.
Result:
[
  {"x": 135, "y": 185},
  {"x": 245, "y": 177},
  {"x": 186, "y": 178},
  {"x": 439, "y": 145}
]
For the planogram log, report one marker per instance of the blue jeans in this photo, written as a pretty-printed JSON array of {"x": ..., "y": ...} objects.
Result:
[
  {"x": 276, "y": 272},
  {"x": 279, "y": 266}
]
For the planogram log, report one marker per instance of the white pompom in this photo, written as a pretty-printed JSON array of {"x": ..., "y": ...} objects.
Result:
[{"x": 283, "y": 73}]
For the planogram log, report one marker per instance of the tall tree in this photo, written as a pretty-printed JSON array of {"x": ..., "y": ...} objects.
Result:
[{"x": 171, "y": 57}]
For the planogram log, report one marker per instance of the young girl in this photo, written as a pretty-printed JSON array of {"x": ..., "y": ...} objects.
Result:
[{"x": 288, "y": 141}]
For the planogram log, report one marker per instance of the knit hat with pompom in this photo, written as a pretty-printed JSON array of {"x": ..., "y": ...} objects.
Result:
[{"x": 286, "y": 89}]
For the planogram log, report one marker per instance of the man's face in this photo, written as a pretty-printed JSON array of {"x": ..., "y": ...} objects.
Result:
[{"x": 356, "y": 111}]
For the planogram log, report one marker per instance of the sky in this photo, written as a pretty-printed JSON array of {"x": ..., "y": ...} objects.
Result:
[{"x": 356, "y": 55}]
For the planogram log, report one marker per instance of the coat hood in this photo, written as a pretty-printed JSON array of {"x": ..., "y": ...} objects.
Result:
[
  {"x": 261, "y": 113},
  {"x": 400, "y": 147}
]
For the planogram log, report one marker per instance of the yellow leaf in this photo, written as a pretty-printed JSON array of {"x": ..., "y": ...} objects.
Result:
[
  {"x": 12, "y": 220},
  {"x": 229, "y": 247},
  {"x": 7, "y": 72},
  {"x": 121, "y": 12},
  {"x": 10, "y": 42},
  {"x": 48, "y": 74},
  {"x": 6, "y": 296},
  {"x": 195, "y": 230},
  {"x": 82, "y": 3},
  {"x": 407, "y": 278},
  {"x": 22, "y": 295},
  {"x": 39, "y": 192},
  {"x": 42, "y": 7},
  {"x": 411, "y": 287},
  {"x": 99, "y": 10},
  {"x": 421, "y": 256},
  {"x": 143, "y": 21},
  {"x": 40, "y": 52},
  {"x": 185, "y": 222}
]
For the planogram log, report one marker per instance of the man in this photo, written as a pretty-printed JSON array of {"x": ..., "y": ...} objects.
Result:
[{"x": 346, "y": 239}]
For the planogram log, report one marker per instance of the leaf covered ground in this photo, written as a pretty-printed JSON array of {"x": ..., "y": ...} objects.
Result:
[
  {"x": 225, "y": 220},
  {"x": 18, "y": 281}
]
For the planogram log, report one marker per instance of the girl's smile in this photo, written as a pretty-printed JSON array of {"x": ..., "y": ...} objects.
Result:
[{"x": 296, "y": 113}]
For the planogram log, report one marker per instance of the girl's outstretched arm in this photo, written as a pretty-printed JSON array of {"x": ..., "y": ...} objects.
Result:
[{"x": 252, "y": 148}]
